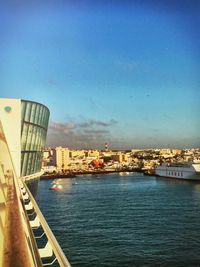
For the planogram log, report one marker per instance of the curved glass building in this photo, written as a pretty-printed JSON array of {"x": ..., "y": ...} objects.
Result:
[
  {"x": 34, "y": 123},
  {"x": 25, "y": 126}
]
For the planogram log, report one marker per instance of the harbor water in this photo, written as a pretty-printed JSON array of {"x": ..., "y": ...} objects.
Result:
[{"x": 124, "y": 219}]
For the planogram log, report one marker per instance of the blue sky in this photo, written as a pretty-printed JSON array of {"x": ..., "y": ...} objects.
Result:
[{"x": 122, "y": 72}]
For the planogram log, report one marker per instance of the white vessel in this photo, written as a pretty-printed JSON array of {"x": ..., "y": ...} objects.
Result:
[{"x": 179, "y": 170}]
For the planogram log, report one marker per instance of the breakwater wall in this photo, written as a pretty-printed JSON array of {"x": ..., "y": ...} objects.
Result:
[{"x": 75, "y": 173}]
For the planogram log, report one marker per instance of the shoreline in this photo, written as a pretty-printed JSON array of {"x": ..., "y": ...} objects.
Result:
[{"x": 74, "y": 174}]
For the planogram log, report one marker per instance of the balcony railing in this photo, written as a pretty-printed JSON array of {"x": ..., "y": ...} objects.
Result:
[{"x": 20, "y": 222}]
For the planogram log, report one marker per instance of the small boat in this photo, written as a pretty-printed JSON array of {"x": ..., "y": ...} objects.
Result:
[{"x": 56, "y": 187}]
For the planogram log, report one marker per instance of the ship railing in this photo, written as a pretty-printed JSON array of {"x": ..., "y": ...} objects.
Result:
[
  {"x": 52, "y": 247},
  {"x": 33, "y": 176},
  {"x": 18, "y": 246}
]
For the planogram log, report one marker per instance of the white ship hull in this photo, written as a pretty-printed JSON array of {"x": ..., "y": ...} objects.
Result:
[{"x": 191, "y": 172}]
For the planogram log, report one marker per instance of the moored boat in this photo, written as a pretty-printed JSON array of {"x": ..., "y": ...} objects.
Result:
[{"x": 179, "y": 170}]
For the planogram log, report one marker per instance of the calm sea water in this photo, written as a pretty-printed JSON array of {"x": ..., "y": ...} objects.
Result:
[{"x": 125, "y": 220}]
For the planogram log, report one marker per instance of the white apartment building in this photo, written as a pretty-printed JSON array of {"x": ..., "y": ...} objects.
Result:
[{"x": 61, "y": 158}]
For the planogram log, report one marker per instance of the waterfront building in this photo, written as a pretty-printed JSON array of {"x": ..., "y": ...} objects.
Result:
[
  {"x": 135, "y": 150},
  {"x": 176, "y": 151},
  {"x": 165, "y": 151},
  {"x": 46, "y": 154},
  {"x": 49, "y": 169},
  {"x": 92, "y": 153},
  {"x": 119, "y": 157},
  {"x": 48, "y": 162},
  {"x": 61, "y": 158},
  {"x": 77, "y": 153}
]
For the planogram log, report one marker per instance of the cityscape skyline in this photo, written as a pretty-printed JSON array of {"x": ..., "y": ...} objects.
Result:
[{"x": 124, "y": 73}]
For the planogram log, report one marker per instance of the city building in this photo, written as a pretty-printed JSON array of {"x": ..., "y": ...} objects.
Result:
[
  {"x": 61, "y": 158},
  {"x": 76, "y": 153},
  {"x": 165, "y": 151},
  {"x": 120, "y": 157},
  {"x": 46, "y": 154},
  {"x": 93, "y": 153}
]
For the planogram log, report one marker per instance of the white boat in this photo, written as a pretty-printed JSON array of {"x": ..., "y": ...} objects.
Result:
[
  {"x": 56, "y": 187},
  {"x": 179, "y": 170}
]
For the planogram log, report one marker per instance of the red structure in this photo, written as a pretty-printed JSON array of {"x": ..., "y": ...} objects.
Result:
[{"x": 97, "y": 163}]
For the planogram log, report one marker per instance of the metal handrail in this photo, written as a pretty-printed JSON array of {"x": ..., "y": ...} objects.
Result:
[
  {"x": 32, "y": 242},
  {"x": 18, "y": 248},
  {"x": 32, "y": 176},
  {"x": 62, "y": 260},
  {"x": 18, "y": 240}
]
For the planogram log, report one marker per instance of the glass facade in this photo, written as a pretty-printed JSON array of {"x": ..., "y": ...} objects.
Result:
[{"x": 35, "y": 118}]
